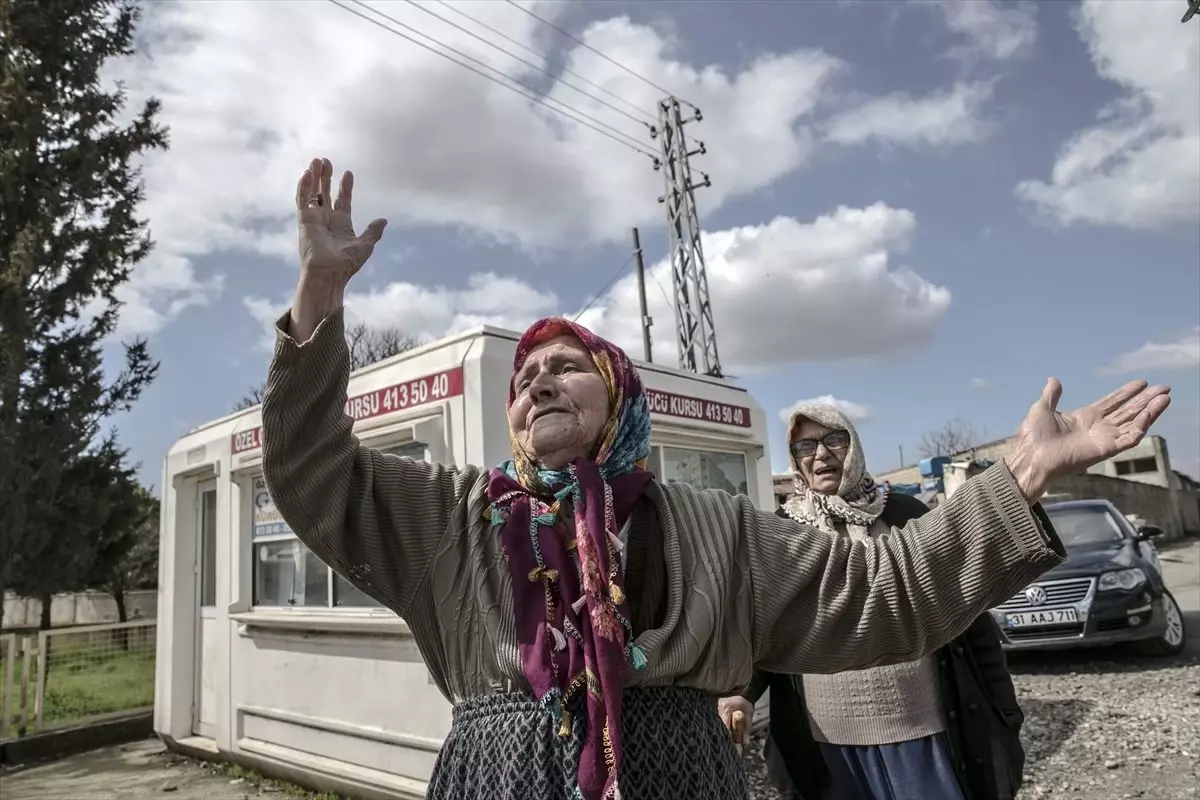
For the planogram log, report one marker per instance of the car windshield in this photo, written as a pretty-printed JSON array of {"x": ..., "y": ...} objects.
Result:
[{"x": 1084, "y": 526}]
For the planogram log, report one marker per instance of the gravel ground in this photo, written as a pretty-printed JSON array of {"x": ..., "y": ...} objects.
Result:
[
  {"x": 1103, "y": 730},
  {"x": 1117, "y": 728},
  {"x": 1105, "y": 724}
]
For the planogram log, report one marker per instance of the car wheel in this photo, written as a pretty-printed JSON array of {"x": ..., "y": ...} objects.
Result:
[{"x": 1174, "y": 637}]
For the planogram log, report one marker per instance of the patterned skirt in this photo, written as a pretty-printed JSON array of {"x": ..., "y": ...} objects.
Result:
[{"x": 507, "y": 747}]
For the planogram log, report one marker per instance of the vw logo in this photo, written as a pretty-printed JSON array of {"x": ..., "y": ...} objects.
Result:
[{"x": 1035, "y": 595}]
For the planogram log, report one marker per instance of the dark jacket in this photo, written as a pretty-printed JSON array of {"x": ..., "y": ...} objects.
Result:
[{"x": 983, "y": 717}]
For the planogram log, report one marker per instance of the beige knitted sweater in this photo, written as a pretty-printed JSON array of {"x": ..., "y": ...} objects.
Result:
[
  {"x": 732, "y": 586},
  {"x": 883, "y": 705}
]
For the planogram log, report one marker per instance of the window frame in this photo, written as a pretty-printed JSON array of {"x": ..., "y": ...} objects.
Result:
[
  {"x": 405, "y": 435},
  {"x": 657, "y": 461},
  {"x": 209, "y": 533},
  {"x": 1131, "y": 465},
  {"x": 275, "y": 538}
]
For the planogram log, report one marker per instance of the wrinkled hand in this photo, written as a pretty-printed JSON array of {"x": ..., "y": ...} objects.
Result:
[
  {"x": 737, "y": 713},
  {"x": 1051, "y": 444},
  {"x": 329, "y": 249}
]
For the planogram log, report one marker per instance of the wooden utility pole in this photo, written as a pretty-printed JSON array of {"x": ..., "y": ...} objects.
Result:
[{"x": 641, "y": 279}]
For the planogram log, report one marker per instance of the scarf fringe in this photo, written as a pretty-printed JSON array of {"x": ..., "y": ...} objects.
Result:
[
  {"x": 560, "y": 641},
  {"x": 637, "y": 657},
  {"x": 551, "y": 702},
  {"x": 616, "y": 542}
]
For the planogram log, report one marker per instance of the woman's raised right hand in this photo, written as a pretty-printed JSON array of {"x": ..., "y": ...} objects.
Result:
[{"x": 329, "y": 248}]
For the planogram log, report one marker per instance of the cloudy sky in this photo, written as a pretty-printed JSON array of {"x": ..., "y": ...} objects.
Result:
[{"x": 921, "y": 210}]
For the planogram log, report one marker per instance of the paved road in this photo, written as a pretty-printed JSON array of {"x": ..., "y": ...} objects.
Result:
[
  {"x": 1181, "y": 571},
  {"x": 140, "y": 771}
]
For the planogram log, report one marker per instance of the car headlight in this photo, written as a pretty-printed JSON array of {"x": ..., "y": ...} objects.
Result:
[{"x": 1127, "y": 579}]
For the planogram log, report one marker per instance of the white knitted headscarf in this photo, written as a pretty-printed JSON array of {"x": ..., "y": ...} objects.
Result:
[{"x": 858, "y": 500}]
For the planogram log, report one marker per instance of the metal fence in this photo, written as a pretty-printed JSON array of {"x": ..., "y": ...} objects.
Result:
[{"x": 71, "y": 676}]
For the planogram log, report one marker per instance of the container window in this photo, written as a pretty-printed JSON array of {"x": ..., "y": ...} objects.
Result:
[
  {"x": 208, "y": 548},
  {"x": 705, "y": 469},
  {"x": 286, "y": 573}
]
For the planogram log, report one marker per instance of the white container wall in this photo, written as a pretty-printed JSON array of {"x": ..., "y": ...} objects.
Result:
[{"x": 268, "y": 658}]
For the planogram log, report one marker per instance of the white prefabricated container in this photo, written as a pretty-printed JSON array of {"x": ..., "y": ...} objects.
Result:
[{"x": 265, "y": 656}]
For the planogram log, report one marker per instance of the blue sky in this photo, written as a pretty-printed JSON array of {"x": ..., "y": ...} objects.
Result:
[{"x": 922, "y": 209}]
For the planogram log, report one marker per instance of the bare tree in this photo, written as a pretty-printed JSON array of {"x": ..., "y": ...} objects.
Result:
[
  {"x": 367, "y": 346},
  {"x": 955, "y": 437},
  {"x": 253, "y": 397}
]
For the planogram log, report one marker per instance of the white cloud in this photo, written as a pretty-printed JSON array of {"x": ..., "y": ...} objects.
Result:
[
  {"x": 1139, "y": 165},
  {"x": 991, "y": 30},
  {"x": 431, "y": 143},
  {"x": 425, "y": 313},
  {"x": 855, "y": 412},
  {"x": 951, "y": 116},
  {"x": 979, "y": 383},
  {"x": 784, "y": 292},
  {"x": 988, "y": 32},
  {"x": 1183, "y": 353}
]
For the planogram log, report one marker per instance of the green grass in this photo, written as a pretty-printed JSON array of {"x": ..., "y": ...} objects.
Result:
[
  {"x": 82, "y": 684},
  {"x": 256, "y": 781}
]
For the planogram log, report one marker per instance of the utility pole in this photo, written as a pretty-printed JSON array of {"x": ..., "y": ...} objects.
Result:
[
  {"x": 693, "y": 311},
  {"x": 641, "y": 279}
]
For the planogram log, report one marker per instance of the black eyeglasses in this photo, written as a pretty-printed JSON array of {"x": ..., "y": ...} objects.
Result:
[{"x": 834, "y": 440}]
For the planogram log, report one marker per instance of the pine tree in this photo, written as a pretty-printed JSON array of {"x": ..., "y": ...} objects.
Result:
[{"x": 69, "y": 237}]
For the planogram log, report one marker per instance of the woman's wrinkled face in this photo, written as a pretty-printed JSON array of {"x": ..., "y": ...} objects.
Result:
[
  {"x": 560, "y": 403},
  {"x": 819, "y": 453}
]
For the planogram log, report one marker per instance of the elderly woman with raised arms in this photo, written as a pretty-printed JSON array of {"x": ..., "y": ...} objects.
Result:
[{"x": 582, "y": 617}]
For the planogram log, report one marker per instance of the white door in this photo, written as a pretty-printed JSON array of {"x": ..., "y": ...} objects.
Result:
[{"x": 205, "y": 701}]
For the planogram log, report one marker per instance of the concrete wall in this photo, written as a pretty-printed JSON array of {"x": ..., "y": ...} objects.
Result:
[
  {"x": 1154, "y": 447},
  {"x": 1160, "y": 497},
  {"x": 1151, "y": 503},
  {"x": 83, "y": 608}
]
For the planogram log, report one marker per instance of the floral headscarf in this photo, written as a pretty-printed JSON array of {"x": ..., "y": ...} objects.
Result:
[
  {"x": 573, "y": 624},
  {"x": 858, "y": 501}
]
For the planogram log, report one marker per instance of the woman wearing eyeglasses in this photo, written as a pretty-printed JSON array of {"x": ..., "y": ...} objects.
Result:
[{"x": 945, "y": 727}]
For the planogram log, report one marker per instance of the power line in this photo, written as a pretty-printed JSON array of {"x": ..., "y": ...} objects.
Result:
[
  {"x": 646, "y": 119},
  {"x": 626, "y": 138},
  {"x": 662, "y": 291},
  {"x": 606, "y": 287},
  {"x": 607, "y": 58},
  {"x": 577, "y": 115}
]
